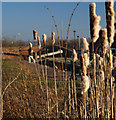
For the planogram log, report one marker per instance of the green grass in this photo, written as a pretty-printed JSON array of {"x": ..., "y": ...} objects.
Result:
[{"x": 10, "y": 69}]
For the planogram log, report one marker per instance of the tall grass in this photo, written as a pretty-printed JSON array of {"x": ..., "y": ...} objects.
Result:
[{"x": 41, "y": 91}]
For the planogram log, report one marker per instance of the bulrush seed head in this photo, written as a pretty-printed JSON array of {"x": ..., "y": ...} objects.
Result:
[
  {"x": 44, "y": 38},
  {"x": 39, "y": 43},
  {"x": 110, "y": 20},
  {"x": 93, "y": 8},
  {"x": 53, "y": 37},
  {"x": 85, "y": 83},
  {"x": 38, "y": 39},
  {"x": 96, "y": 28},
  {"x": 94, "y": 22},
  {"x": 86, "y": 59},
  {"x": 35, "y": 35},
  {"x": 111, "y": 58},
  {"x": 75, "y": 55},
  {"x": 110, "y": 3},
  {"x": 85, "y": 44},
  {"x": 104, "y": 39},
  {"x": 30, "y": 45},
  {"x": 97, "y": 55}
]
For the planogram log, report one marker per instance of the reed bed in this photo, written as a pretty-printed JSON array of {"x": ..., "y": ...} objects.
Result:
[{"x": 90, "y": 94}]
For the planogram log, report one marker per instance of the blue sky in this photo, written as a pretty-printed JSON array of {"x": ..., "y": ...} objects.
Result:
[{"x": 20, "y": 18}]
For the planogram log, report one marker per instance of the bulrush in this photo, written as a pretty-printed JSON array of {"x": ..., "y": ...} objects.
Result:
[
  {"x": 35, "y": 35},
  {"x": 39, "y": 43},
  {"x": 111, "y": 59},
  {"x": 44, "y": 39},
  {"x": 85, "y": 55},
  {"x": 85, "y": 44},
  {"x": 99, "y": 61},
  {"x": 53, "y": 37},
  {"x": 94, "y": 30},
  {"x": 86, "y": 59},
  {"x": 94, "y": 22},
  {"x": 109, "y": 5},
  {"x": 93, "y": 9},
  {"x": 75, "y": 55},
  {"x": 97, "y": 56},
  {"x": 96, "y": 27},
  {"x": 55, "y": 83},
  {"x": 104, "y": 39},
  {"x": 85, "y": 83},
  {"x": 110, "y": 20},
  {"x": 30, "y": 45},
  {"x": 85, "y": 78}
]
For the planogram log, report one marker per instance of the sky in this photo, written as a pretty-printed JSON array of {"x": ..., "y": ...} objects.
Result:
[{"x": 20, "y": 18}]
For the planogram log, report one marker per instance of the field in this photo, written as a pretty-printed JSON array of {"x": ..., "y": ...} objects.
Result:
[{"x": 23, "y": 98}]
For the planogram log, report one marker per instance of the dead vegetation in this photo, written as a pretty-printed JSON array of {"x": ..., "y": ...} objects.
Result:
[{"x": 40, "y": 91}]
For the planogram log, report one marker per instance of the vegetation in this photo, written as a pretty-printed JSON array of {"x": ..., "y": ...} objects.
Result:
[
  {"x": 8, "y": 42},
  {"x": 85, "y": 91}
]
